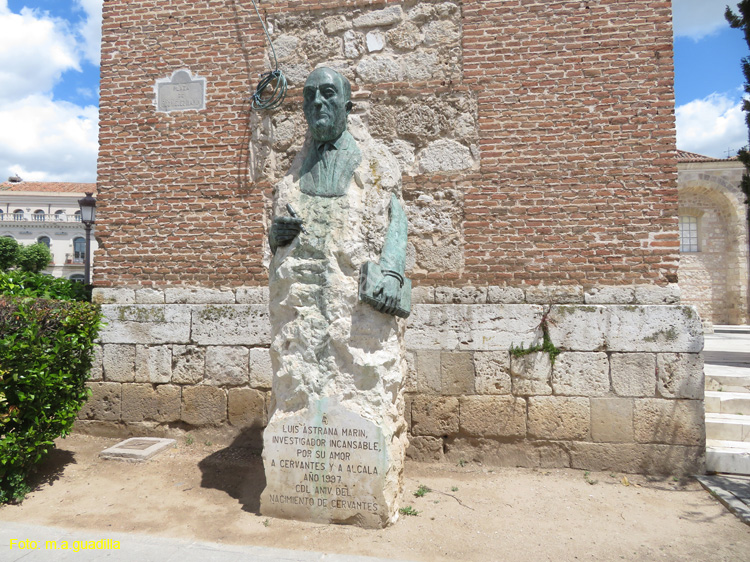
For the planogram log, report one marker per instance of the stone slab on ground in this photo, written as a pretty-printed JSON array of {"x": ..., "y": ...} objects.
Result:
[
  {"x": 732, "y": 491},
  {"x": 137, "y": 449}
]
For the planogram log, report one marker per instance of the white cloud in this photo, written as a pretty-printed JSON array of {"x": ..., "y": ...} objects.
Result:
[
  {"x": 698, "y": 18},
  {"x": 47, "y": 140},
  {"x": 43, "y": 139},
  {"x": 34, "y": 52},
  {"x": 91, "y": 29},
  {"x": 711, "y": 126}
]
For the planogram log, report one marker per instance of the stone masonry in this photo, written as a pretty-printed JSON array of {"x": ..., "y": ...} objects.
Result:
[
  {"x": 715, "y": 278},
  {"x": 536, "y": 144},
  {"x": 625, "y": 393}
]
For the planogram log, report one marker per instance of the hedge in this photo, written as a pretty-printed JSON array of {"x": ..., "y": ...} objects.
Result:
[
  {"x": 46, "y": 350},
  {"x": 19, "y": 283}
]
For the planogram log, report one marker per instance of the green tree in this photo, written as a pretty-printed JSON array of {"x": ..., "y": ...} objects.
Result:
[
  {"x": 34, "y": 258},
  {"x": 741, "y": 20},
  {"x": 9, "y": 252}
]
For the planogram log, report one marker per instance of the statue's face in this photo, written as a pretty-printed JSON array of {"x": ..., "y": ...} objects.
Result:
[{"x": 326, "y": 104}]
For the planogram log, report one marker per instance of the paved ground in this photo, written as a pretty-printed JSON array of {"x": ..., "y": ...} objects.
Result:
[
  {"x": 140, "y": 548},
  {"x": 730, "y": 348},
  {"x": 731, "y": 490}
]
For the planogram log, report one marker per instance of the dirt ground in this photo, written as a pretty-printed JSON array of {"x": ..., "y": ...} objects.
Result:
[{"x": 473, "y": 513}]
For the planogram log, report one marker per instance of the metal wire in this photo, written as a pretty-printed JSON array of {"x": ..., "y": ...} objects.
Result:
[{"x": 276, "y": 97}]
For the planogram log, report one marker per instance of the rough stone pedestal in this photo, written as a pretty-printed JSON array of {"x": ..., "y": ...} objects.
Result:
[
  {"x": 329, "y": 465},
  {"x": 335, "y": 444}
]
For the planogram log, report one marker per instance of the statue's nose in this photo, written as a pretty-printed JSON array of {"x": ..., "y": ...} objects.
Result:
[{"x": 318, "y": 98}]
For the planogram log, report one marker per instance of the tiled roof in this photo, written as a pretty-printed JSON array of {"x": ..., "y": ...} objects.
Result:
[
  {"x": 48, "y": 187},
  {"x": 684, "y": 156}
]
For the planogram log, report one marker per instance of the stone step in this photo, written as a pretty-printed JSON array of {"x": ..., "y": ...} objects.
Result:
[
  {"x": 731, "y": 457},
  {"x": 728, "y": 379},
  {"x": 728, "y": 402},
  {"x": 731, "y": 329},
  {"x": 727, "y": 427}
]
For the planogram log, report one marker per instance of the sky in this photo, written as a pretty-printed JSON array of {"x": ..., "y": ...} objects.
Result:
[{"x": 49, "y": 82}]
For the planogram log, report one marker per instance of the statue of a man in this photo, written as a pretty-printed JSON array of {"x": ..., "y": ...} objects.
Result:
[
  {"x": 338, "y": 361},
  {"x": 331, "y": 160}
]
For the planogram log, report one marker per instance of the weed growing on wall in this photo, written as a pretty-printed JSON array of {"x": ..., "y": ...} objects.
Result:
[{"x": 546, "y": 346}]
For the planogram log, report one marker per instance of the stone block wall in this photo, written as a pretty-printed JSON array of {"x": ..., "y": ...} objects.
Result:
[
  {"x": 625, "y": 392},
  {"x": 181, "y": 358}
]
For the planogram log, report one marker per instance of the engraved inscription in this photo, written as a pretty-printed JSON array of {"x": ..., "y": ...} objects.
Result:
[
  {"x": 333, "y": 465},
  {"x": 324, "y": 457},
  {"x": 138, "y": 445},
  {"x": 180, "y": 93}
]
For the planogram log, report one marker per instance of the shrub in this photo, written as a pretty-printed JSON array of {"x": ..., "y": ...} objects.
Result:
[
  {"x": 9, "y": 252},
  {"x": 34, "y": 258},
  {"x": 45, "y": 356},
  {"x": 25, "y": 284}
]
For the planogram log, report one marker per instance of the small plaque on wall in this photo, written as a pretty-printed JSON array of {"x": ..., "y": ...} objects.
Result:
[{"x": 181, "y": 92}]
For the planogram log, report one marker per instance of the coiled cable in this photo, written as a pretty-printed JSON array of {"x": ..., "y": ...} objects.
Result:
[{"x": 276, "y": 97}]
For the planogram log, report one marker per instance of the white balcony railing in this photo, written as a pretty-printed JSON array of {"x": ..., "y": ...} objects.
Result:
[
  {"x": 74, "y": 259},
  {"x": 39, "y": 217}
]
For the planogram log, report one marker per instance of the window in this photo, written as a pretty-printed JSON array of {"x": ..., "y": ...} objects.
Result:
[
  {"x": 76, "y": 277},
  {"x": 18, "y": 215},
  {"x": 60, "y": 216},
  {"x": 44, "y": 240},
  {"x": 689, "y": 234},
  {"x": 77, "y": 216},
  {"x": 79, "y": 250},
  {"x": 39, "y": 215}
]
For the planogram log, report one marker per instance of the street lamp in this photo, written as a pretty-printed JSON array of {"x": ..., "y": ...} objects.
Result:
[{"x": 88, "y": 216}]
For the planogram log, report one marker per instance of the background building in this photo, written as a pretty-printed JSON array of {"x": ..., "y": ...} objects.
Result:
[
  {"x": 714, "y": 267},
  {"x": 48, "y": 212}
]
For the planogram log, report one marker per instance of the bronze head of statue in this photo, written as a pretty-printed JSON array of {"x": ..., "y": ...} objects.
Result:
[{"x": 327, "y": 102}]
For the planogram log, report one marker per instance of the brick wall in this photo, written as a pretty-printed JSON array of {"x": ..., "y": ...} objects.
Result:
[
  {"x": 559, "y": 118},
  {"x": 576, "y": 128},
  {"x": 174, "y": 204}
]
